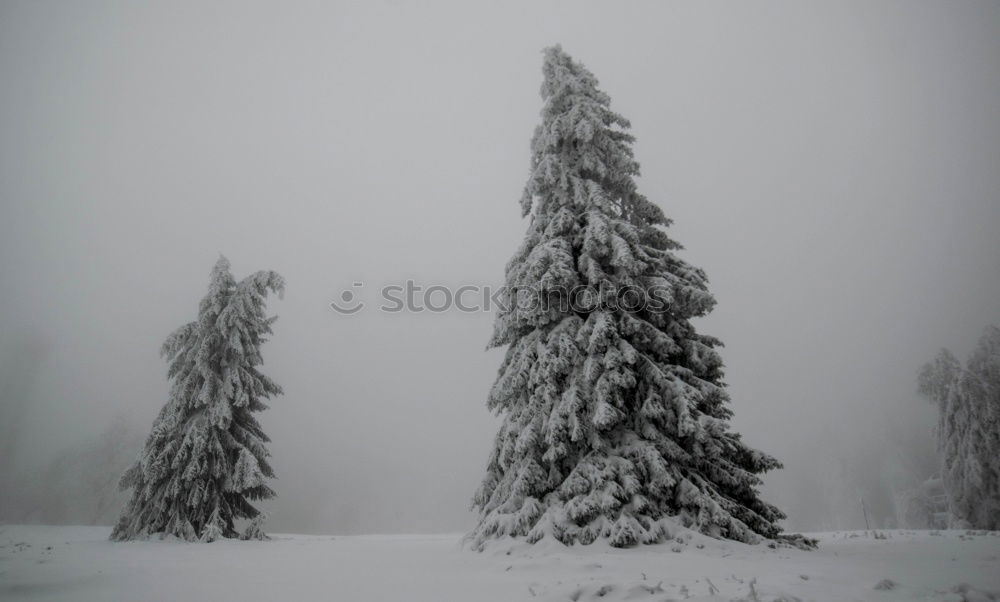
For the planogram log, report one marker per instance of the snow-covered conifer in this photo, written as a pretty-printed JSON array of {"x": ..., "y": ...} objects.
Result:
[
  {"x": 615, "y": 414},
  {"x": 969, "y": 429},
  {"x": 206, "y": 459}
]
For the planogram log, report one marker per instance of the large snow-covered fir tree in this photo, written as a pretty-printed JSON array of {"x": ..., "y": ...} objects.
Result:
[
  {"x": 968, "y": 429},
  {"x": 206, "y": 459},
  {"x": 615, "y": 415}
]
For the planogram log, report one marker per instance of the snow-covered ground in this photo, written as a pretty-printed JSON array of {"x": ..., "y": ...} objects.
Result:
[{"x": 80, "y": 564}]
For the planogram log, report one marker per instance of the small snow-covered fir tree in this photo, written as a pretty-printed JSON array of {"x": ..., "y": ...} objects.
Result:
[
  {"x": 206, "y": 459},
  {"x": 969, "y": 429},
  {"x": 615, "y": 415}
]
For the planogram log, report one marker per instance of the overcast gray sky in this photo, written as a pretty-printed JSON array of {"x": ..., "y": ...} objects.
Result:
[{"x": 833, "y": 167}]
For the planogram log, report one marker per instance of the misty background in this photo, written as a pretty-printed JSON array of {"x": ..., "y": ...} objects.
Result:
[{"x": 833, "y": 168}]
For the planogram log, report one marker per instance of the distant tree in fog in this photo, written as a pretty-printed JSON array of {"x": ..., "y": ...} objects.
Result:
[
  {"x": 883, "y": 461},
  {"x": 205, "y": 459},
  {"x": 615, "y": 414},
  {"x": 968, "y": 402},
  {"x": 21, "y": 362},
  {"x": 97, "y": 466},
  {"x": 79, "y": 485}
]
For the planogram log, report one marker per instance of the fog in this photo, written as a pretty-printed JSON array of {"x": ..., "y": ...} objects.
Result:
[{"x": 833, "y": 168}]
